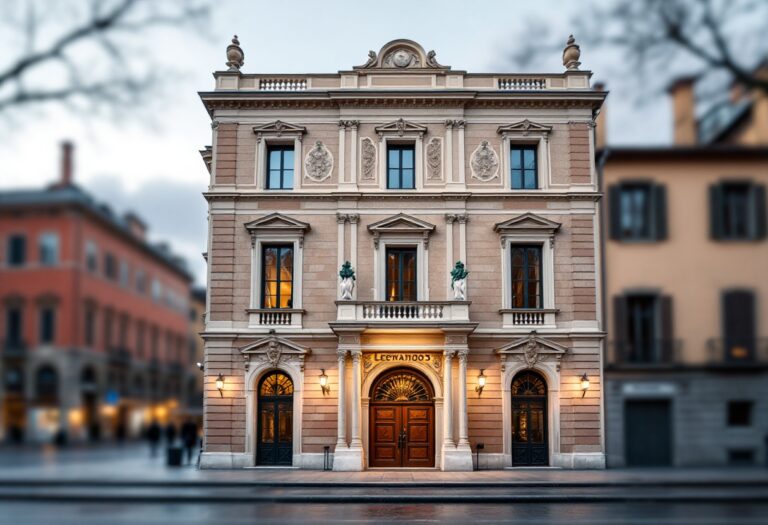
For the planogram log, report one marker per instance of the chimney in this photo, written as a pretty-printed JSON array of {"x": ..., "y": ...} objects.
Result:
[
  {"x": 67, "y": 151},
  {"x": 684, "y": 111},
  {"x": 135, "y": 225},
  {"x": 601, "y": 122}
]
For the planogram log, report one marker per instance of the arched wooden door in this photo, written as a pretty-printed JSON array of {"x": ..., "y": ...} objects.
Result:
[
  {"x": 402, "y": 425},
  {"x": 274, "y": 445},
  {"x": 529, "y": 420}
]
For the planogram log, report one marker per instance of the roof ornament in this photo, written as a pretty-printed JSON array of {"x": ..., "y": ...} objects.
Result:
[
  {"x": 571, "y": 54},
  {"x": 432, "y": 61},
  {"x": 371, "y": 60},
  {"x": 235, "y": 55}
]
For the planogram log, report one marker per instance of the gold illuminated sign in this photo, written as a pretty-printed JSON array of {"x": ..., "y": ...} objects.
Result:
[{"x": 406, "y": 358}]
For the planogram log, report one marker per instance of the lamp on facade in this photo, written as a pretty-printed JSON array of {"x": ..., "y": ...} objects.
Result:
[
  {"x": 480, "y": 382},
  {"x": 324, "y": 382},
  {"x": 200, "y": 365},
  {"x": 584, "y": 384},
  {"x": 220, "y": 385}
]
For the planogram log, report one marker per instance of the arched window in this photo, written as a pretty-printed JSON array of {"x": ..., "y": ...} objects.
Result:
[{"x": 529, "y": 384}]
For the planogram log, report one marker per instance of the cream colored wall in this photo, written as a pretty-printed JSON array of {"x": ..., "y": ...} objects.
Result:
[{"x": 689, "y": 266}]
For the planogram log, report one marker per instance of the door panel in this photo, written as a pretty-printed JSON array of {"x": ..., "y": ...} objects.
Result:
[
  {"x": 385, "y": 430},
  {"x": 275, "y": 432},
  {"x": 529, "y": 433},
  {"x": 648, "y": 433}
]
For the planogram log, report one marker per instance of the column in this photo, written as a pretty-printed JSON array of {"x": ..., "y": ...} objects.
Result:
[
  {"x": 447, "y": 404},
  {"x": 353, "y": 152},
  {"x": 449, "y": 219},
  {"x": 462, "y": 171},
  {"x": 463, "y": 434},
  {"x": 354, "y": 218},
  {"x": 341, "y": 159},
  {"x": 341, "y": 441},
  {"x": 449, "y": 151},
  {"x": 356, "y": 358}
]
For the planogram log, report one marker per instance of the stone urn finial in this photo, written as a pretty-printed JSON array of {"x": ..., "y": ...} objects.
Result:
[
  {"x": 347, "y": 284},
  {"x": 571, "y": 54},
  {"x": 235, "y": 55}
]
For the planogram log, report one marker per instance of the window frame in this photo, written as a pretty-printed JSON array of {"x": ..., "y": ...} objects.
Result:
[
  {"x": 91, "y": 256},
  {"x": 540, "y": 293},
  {"x": 262, "y": 288},
  {"x": 522, "y": 147},
  {"x": 43, "y": 249},
  {"x": 401, "y": 250},
  {"x": 536, "y": 139},
  {"x": 43, "y": 337},
  {"x": 646, "y": 231},
  {"x": 19, "y": 310},
  {"x": 547, "y": 269},
  {"x": 12, "y": 262},
  {"x": 401, "y": 146},
  {"x": 282, "y": 147}
]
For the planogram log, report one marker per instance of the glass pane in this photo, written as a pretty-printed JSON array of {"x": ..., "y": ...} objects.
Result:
[
  {"x": 268, "y": 423},
  {"x": 529, "y": 157},
  {"x": 537, "y": 426},
  {"x": 286, "y": 294},
  {"x": 530, "y": 179},
  {"x": 409, "y": 291},
  {"x": 533, "y": 295},
  {"x": 393, "y": 180},
  {"x": 274, "y": 159},
  {"x": 407, "y": 158},
  {"x": 285, "y": 423},
  {"x": 270, "y": 263},
  {"x": 517, "y": 257},
  {"x": 274, "y": 179},
  {"x": 516, "y": 157},
  {"x": 517, "y": 179},
  {"x": 288, "y": 179},
  {"x": 286, "y": 264},
  {"x": 521, "y": 426},
  {"x": 518, "y": 298},
  {"x": 288, "y": 159},
  {"x": 394, "y": 158},
  {"x": 408, "y": 179}
]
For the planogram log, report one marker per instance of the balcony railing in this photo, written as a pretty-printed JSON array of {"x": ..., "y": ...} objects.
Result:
[
  {"x": 402, "y": 312},
  {"x": 522, "y": 84},
  {"x": 655, "y": 352},
  {"x": 527, "y": 317},
  {"x": 283, "y": 84},
  {"x": 275, "y": 317},
  {"x": 737, "y": 352}
]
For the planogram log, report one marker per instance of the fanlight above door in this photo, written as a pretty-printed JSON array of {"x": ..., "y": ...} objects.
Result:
[{"x": 402, "y": 386}]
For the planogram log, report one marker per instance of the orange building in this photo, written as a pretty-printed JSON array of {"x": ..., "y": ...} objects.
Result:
[{"x": 95, "y": 319}]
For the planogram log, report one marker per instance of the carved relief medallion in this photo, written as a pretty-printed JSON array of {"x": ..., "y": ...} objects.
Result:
[
  {"x": 485, "y": 162},
  {"x": 434, "y": 159},
  {"x": 401, "y": 58},
  {"x": 318, "y": 163},
  {"x": 368, "y": 160}
]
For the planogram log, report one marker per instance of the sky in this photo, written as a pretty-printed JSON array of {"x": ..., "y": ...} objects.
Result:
[{"x": 148, "y": 161}]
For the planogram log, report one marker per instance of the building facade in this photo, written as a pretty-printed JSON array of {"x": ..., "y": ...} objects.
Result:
[
  {"x": 344, "y": 212},
  {"x": 686, "y": 252},
  {"x": 95, "y": 319}
]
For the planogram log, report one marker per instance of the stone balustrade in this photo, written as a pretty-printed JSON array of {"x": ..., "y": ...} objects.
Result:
[{"x": 403, "y": 312}]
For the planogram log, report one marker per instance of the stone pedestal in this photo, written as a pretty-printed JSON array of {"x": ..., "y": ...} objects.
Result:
[
  {"x": 349, "y": 459},
  {"x": 457, "y": 459}
]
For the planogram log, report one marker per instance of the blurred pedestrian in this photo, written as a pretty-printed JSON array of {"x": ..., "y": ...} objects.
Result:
[
  {"x": 189, "y": 438},
  {"x": 153, "y": 436},
  {"x": 170, "y": 434}
]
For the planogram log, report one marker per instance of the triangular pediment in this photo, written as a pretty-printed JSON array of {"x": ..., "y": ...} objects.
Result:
[
  {"x": 401, "y": 223},
  {"x": 525, "y": 127},
  {"x": 400, "y": 127},
  {"x": 521, "y": 345},
  {"x": 277, "y": 221},
  {"x": 527, "y": 223},
  {"x": 279, "y": 128},
  {"x": 274, "y": 350}
]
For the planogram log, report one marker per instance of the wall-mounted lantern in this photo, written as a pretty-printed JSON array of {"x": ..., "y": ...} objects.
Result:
[
  {"x": 220, "y": 385},
  {"x": 324, "y": 382},
  {"x": 584, "y": 384},
  {"x": 480, "y": 382},
  {"x": 200, "y": 365}
]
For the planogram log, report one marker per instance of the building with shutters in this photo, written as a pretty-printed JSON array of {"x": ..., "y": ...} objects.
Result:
[
  {"x": 686, "y": 291},
  {"x": 345, "y": 209},
  {"x": 94, "y": 319}
]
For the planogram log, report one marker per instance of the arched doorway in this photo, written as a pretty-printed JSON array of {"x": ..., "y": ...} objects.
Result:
[
  {"x": 274, "y": 439},
  {"x": 529, "y": 420},
  {"x": 402, "y": 420}
]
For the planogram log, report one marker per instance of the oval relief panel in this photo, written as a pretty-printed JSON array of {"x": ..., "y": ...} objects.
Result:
[
  {"x": 485, "y": 162},
  {"x": 318, "y": 163}
]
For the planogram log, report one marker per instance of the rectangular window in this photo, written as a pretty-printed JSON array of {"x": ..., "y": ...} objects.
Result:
[
  {"x": 277, "y": 276},
  {"x": 47, "y": 324},
  {"x": 526, "y": 277},
  {"x": 739, "y": 325},
  {"x": 125, "y": 272},
  {"x": 90, "y": 325},
  {"x": 635, "y": 204},
  {"x": 401, "y": 274},
  {"x": 110, "y": 266},
  {"x": 642, "y": 328},
  {"x": 157, "y": 290},
  {"x": 17, "y": 250},
  {"x": 91, "y": 256},
  {"x": 737, "y": 211},
  {"x": 739, "y": 413},
  {"x": 279, "y": 167},
  {"x": 141, "y": 282},
  {"x": 523, "y": 163},
  {"x": 140, "y": 339},
  {"x": 49, "y": 249},
  {"x": 401, "y": 170},
  {"x": 13, "y": 323}
]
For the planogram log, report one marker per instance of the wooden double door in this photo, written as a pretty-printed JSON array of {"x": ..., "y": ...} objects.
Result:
[
  {"x": 402, "y": 435},
  {"x": 402, "y": 421}
]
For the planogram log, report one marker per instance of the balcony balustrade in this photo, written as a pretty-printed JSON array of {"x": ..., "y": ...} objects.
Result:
[
  {"x": 528, "y": 317},
  {"x": 737, "y": 352},
  {"x": 654, "y": 352},
  {"x": 283, "y": 84},
  {"x": 286, "y": 317},
  {"x": 410, "y": 312}
]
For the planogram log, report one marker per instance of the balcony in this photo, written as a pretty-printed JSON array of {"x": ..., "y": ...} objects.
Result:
[
  {"x": 272, "y": 317},
  {"x": 405, "y": 312},
  {"x": 738, "y": 353},
  {"x": 656, "y": 353},
  {"x": 528, "y": 317}
]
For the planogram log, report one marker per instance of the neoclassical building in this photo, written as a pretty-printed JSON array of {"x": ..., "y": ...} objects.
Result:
[{"x": 345, "y": 210}]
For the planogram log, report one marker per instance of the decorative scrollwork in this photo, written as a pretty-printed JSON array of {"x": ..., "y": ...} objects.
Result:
[
  {"x": 318, "y": 163},
  {"x": 434, "y": 159},
  {"x": 368, "y": 159},
  {"x": 485, "y": 162},
  {"x": 402, "y": 386}
]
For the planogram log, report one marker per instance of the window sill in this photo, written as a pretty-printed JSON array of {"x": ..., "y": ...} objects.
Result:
[{"x": 258, "y": 317}]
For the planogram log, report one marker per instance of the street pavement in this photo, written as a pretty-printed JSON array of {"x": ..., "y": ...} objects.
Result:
[{"x": 117, "y": 485}]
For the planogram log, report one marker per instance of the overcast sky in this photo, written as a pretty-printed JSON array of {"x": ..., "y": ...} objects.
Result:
[{"x": 152, "y": 165}]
